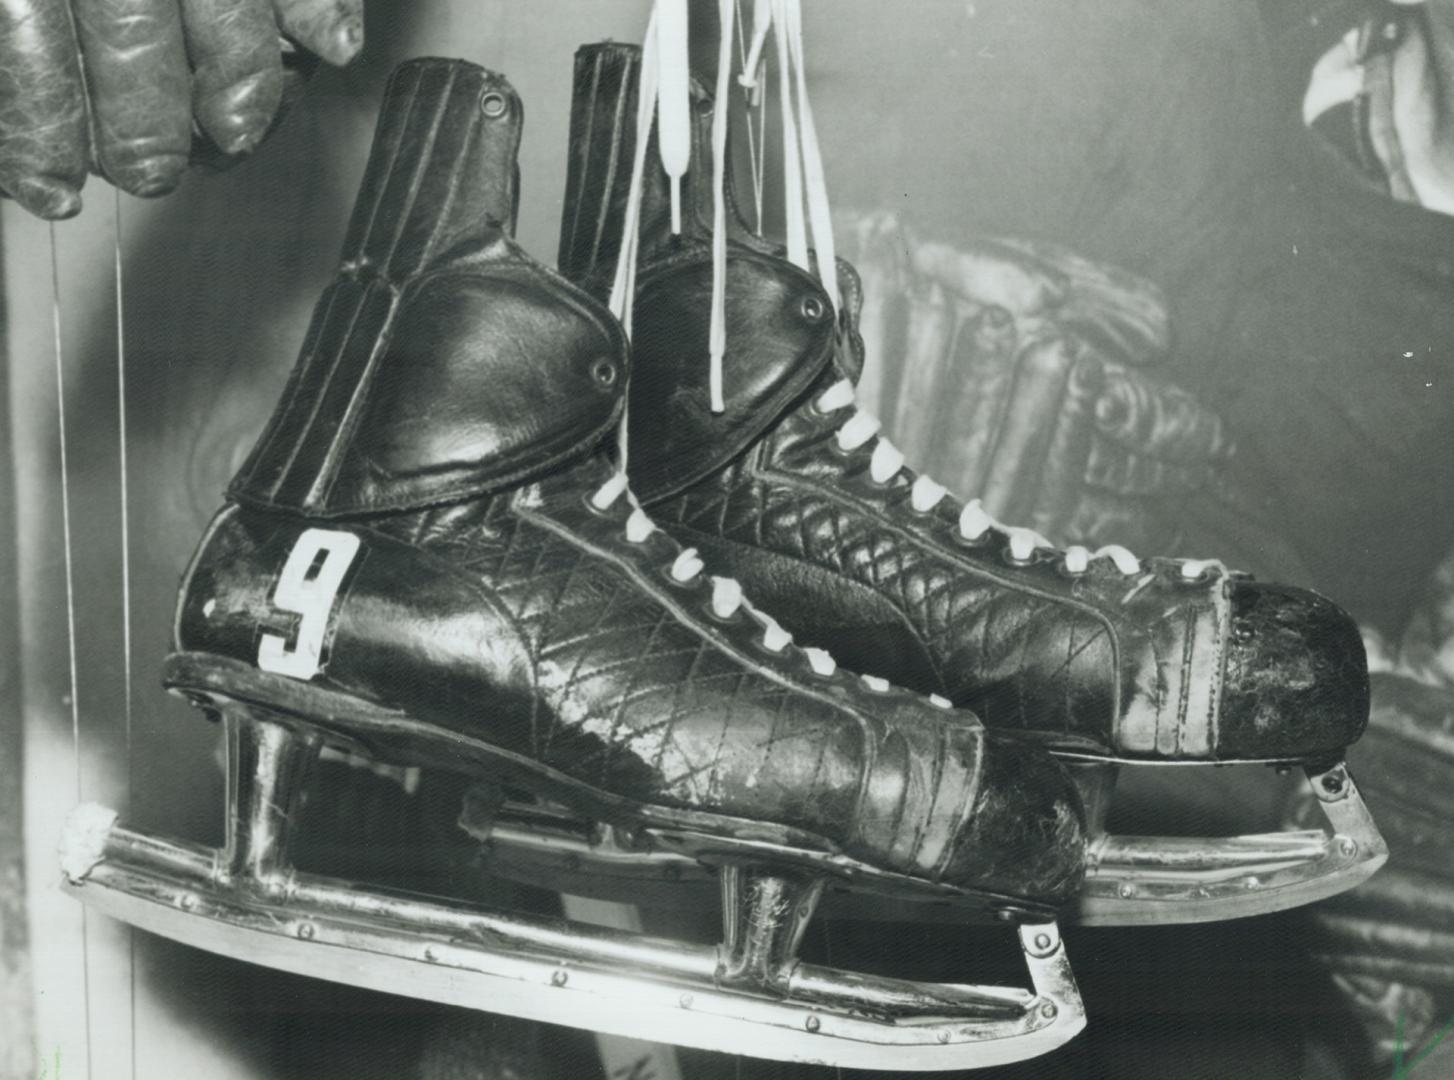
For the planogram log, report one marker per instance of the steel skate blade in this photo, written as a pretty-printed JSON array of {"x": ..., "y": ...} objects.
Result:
[
  {"x": 562, "y": 972},
  {"x": 1148, "y": 880},
  {"x": 550, "y": 848}
]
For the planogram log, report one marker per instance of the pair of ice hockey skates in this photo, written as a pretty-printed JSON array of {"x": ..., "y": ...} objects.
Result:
[{"x": 432, "y": 558}]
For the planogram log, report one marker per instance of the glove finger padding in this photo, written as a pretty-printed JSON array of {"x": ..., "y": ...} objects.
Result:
[
  {"x": 1117, "y": 312},
  {"x": 1011, "y": 372},
  {"x": 140, "y": 91},
  {"x": 331, "y": 29},
  {"x": 44, "y": 142},
  {"x": 1043, "y": 436},
  {"x": 236, "y": 70},
  {"x": 1159, "y": 420}
]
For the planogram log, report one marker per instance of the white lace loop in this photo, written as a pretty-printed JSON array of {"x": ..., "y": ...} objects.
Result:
[
  {"x": 974, "y": 522},
  {"x": 885, "y": 462},
  {"x": 607, "y": 494},
  {"x": 639, "y": 526},
  {"x": 1125, "y": 562},
  {"x": 726, "y": 597},
  {"x": 821, "y": 660},
  {"x": 1024, "y": 542},
  {"x": 774, "y": 637},
  {"x": 857, "y": 430},
  {"x": 838, "y": 396},
  {"x": 926, "y": 494},
  {"x": 876, "y": 683},
  {"x": 941, "y": 702},
  {"x": 686, "y": 566},
  {"x": 1194, "y": 569}
]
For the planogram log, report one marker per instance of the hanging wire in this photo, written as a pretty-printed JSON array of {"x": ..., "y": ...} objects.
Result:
[
  {"x": 126, "y": 652},
  {"x": 55, "y": 285}
]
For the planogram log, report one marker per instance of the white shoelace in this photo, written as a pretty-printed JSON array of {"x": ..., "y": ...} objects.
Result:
[
  {"x": 727, "y": 598},
  {"x": 664, "y": 100},
  {"x": 886, "y": 460}
]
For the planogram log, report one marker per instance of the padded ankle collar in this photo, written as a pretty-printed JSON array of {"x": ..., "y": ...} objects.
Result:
[
  {"x": 442, "y": 363},
  {"x": 780, "y": 338},
  {"x": 598, "y": 173}
]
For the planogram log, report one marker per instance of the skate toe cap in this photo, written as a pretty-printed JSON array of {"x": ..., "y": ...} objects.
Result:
[
  {"x": 1296, "y": 682},
  {"x": 1025, "y": 833}
]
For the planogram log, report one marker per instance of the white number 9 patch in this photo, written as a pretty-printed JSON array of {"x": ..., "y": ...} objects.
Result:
[{"x": 308, "y": 587}]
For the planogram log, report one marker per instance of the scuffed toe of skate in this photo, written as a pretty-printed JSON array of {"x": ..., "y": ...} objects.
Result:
[
  {"x": 1025, "y": 832},
  {"x": 1296, "y": 682}
]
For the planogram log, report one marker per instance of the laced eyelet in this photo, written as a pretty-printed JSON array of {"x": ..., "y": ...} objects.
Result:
[
  {"x": 493, "y": 104},
  {"x": 1206, "y": 570},
  {"x": 735, "y": 619},
  {"x": 812, "y": 308},
  {"x": 1008, "y": 556},
  {"x": 604, "y": 372},
  {"x": 609, "y": 513}
]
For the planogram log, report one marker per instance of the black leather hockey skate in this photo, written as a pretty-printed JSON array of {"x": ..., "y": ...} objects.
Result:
[
  {"x": 1103, "y": 657},
  {"x": 431, "y": 559}
]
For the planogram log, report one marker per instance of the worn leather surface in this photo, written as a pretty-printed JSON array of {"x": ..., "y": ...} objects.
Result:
[
  {"x": 116, "y": 86},
  {"x": 1143, "y": 667},
  {"x": 781, "y": 335},
  {"x": 516, "y": 615},
  {"x": 441, "y": 362}
]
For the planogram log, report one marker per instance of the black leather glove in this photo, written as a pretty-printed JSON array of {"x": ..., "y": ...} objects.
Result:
[
  {"x": 1389, "y": 944},
  {"x": 121, "y": 87},
  {"x": 1022, "y": 374}
]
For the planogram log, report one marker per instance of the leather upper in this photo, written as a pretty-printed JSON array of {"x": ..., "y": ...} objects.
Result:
[
  {"x": 442, "y": 362},
  {"x": 1148, "y": 666},
  {"x": 446, "y": 429}
]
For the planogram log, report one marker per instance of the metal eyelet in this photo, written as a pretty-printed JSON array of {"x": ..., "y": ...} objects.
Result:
[
  {"x": 604, "y": 372},
  {"x": 611, "y": 513},
  {"x": 979, "y": 541},
  {"x": 493, "y": 104},
  {"x": 812, "y": 308},
  {"x": 692, "y": 584},
  {"x": 1243, "y": 635},
  {"x": 735, "y": 619},
  {"x": 1008, "y": 556}
]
